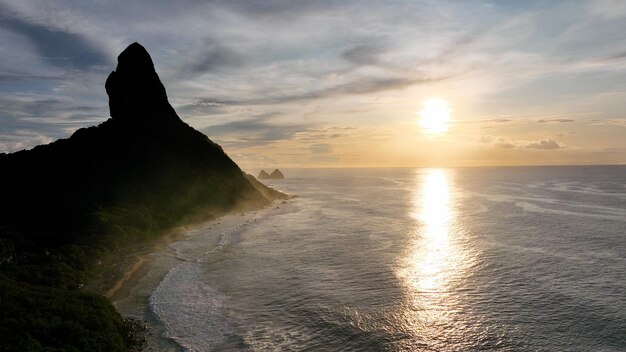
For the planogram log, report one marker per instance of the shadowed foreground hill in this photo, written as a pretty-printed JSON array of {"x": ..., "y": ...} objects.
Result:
[{"x": 138, "y": 174}]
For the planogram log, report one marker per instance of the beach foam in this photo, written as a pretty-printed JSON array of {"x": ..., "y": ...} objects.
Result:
[{"x": 190, "y": 310}]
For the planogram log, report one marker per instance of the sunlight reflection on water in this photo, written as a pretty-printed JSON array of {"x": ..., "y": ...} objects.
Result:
[{"x": 435, "y": 261}]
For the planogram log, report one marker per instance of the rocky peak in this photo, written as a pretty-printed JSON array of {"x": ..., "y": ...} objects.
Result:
[
  {"x": 277, "y": 174},
  {"x": 135, "y": 91}
]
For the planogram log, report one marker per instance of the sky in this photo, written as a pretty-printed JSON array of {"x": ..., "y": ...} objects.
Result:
[{"x": 321, "y": 83}]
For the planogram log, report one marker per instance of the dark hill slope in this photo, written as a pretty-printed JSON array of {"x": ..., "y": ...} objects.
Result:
[
  {"x": 143, "y": 168},
  {"x": 66, "y": 204}
]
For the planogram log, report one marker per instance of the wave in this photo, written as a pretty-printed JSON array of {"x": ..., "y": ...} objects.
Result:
[
  {"x": 555, "y": 206},
  {"x": 610, "y": 214},
  {"x": 190, "y": 310}
]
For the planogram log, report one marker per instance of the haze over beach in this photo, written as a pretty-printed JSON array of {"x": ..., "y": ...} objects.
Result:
[
  {"x": 336, "y": 83},
  {"x": 313, "y": 176}
]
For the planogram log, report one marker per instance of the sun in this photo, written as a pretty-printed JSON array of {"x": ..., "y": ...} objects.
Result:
[{"x": 435, "y": 115}]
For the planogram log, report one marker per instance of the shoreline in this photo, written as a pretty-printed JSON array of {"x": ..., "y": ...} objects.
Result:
[
  {"x": 112, "y": 293},
  {"x": 140, "y": 258},
  {"x": 143, "y": 269},
  {"x": 120, "y": 267}
]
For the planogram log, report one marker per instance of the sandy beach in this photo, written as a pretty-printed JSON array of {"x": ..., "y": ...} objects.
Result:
[{"x": 142, "y": 269}]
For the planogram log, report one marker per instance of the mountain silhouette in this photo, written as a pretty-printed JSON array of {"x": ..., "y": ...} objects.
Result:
[
  {"x": 143, "y": 158},
  {"x": 65, "y": 205}
]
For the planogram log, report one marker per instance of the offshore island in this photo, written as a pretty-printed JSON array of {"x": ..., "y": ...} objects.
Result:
[{"x": 70, "y": 209}]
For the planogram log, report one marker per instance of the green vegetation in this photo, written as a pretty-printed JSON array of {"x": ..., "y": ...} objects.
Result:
[
  {"x": 45, "y": 318},
  {"x": 43, "y": 268}
]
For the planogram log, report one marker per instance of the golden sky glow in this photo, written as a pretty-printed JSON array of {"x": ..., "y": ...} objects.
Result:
[{"x": 337, "y": 84}]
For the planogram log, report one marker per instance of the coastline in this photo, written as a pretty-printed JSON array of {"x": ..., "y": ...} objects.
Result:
[
  {"x": 125, "y": 281},
  {"x": 137, "y": 259},
  {"x": 118, "y": 269},
  {"x": 142, "y": 269}
]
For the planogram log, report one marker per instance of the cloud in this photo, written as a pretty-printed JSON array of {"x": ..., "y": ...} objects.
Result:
[
  {"x": 485, "y": 139},
  {"x": 364, "y": 54},
  {"x": 57, "y": 47},
  {"x": 226, "y": 62},
  {"x": 40, "y": 107},
  {"x": 357, "y": 87},
  {"x": 612, "y": 150},
  {"x": 315, "y": 134},
  {"x": 618, "y": 56},
  {"x": 253, "y": 131},
  {"x": 216, "y": 57},
  {"x": 324, "y": 159},
  {"x": 498, "y": 120},
  {"x": 368, "y": 85},
  {"x": 554, "y": 120},
  {"x": 501, "y": 143},
  {"x": 321, "y": 148},
  {"x": 271, "y": 9},
  {"x": 28, "y": 77},
  {"x": 544, "y": 144},
  {"x": 504, "y": 143},
  {"x": 22, "y": 139},
  {"x": 609, "y": 122},
  {"x": 30, "y": 120},
  {"x": 608, "y": 9}
]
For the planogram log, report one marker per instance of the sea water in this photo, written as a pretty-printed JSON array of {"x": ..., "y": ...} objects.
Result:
[{"x": 466, "y": 259}]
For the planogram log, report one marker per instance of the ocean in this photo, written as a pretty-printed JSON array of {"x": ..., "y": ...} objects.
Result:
[{"x": 462, "y": 259}]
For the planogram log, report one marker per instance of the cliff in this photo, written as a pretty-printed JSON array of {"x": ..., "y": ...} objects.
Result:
[
  {"x": 133, "y": 177},
  {"x": 144, "y": 164},
  {"x": 267, "y": 192}
]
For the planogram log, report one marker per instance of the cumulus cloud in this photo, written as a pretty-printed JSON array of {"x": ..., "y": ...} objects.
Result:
[
  {"x": 544, "y": 144},
  {"x": 505, "y": 143},
  {"x": 501, "y": 143}
]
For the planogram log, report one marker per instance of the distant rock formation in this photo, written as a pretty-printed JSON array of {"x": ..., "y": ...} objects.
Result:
[
  {"x": 276, "y": 174},
  {"x": 263, "y": 175}
]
